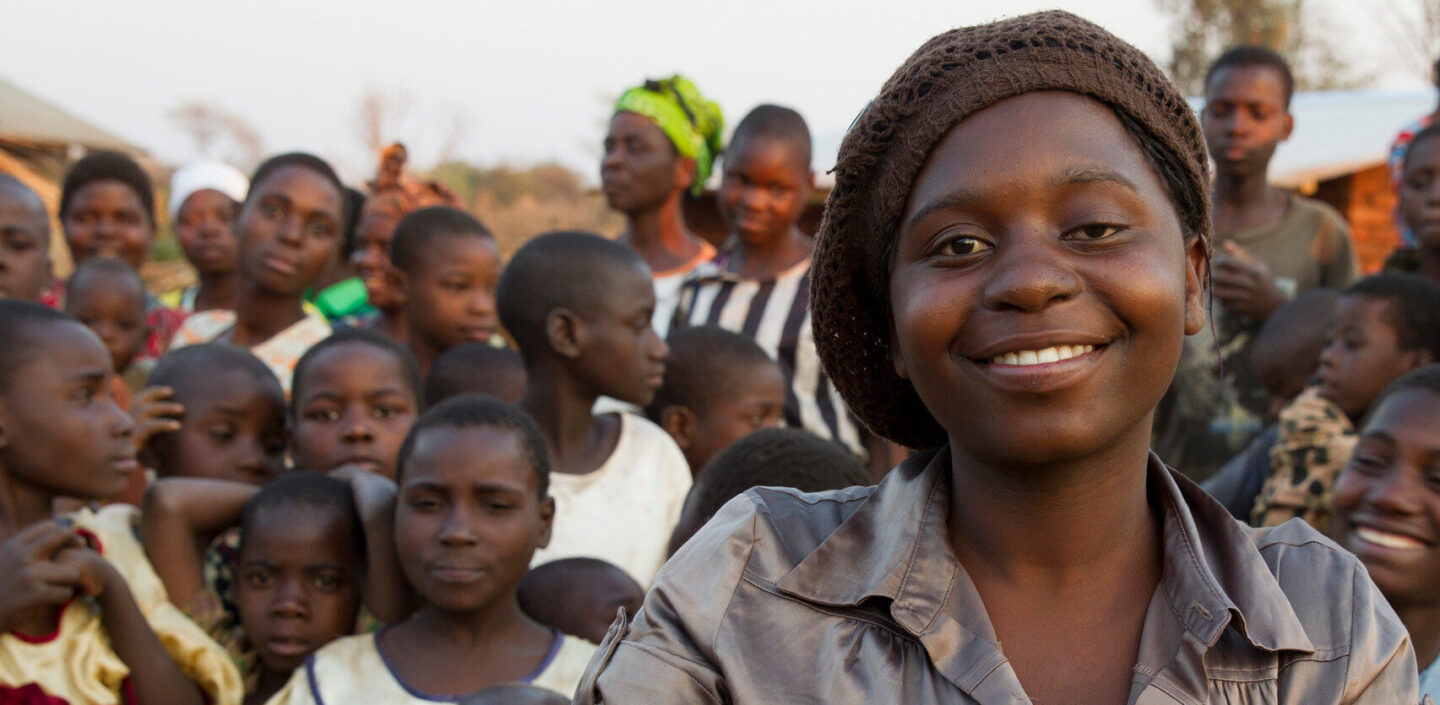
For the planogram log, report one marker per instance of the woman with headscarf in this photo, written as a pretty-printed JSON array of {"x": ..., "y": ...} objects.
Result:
[{"x": 662, "y": 142}]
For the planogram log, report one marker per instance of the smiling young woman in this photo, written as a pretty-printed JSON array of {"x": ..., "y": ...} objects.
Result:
[{"x": 1016, "y": 246}]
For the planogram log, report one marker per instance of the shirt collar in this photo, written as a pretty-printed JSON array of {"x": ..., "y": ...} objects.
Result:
[{"x": 895, "y": 546}]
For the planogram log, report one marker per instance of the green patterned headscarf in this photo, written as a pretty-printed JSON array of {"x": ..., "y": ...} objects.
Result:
[{"x": 691, "y": 121}]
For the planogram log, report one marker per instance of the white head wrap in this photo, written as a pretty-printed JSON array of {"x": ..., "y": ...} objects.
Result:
[{"x": 199, "y": 176}]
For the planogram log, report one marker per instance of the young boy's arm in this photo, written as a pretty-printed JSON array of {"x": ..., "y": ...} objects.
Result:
[
  {"x": 154, "y": 677},
  {"x": 387, "y": 592},
  {"x": 177, "y": 510}
]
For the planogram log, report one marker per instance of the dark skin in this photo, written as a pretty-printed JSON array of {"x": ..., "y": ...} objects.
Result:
[
  {"x": 1071, "y": 243},
  {"x": 1246, "y": 116},
  {"x": 762, "y": 195},
  {"x": 450, "y": 296},
  {"x": 644, "y": 177},
  {"x": 289, "y": 233},
  {"x": 383, "y": 283},
  {"x": 62, "y": 434},
  {"x": 24, "y": 243},
  {"x": 1387, "y": 511},
  {"x": 1420, "y": 202},
  {"x": 204, "y": 228},
  {"x": 764, "y": 187},
  {"x": 179, "y": 512},
  {"x": 608, "y": 349},
  {"x": 297, "y": 588},
  {"x": 469, "y": 516},
  {"x": 354, "y": 407},
  {"x": 107, "y": 218}
]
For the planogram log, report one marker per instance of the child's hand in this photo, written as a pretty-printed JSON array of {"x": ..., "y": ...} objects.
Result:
[
  {"x": 95, "y": 573},
  {"x": 154, "y": 414},
  {"x": 1244, "y": 284},
  {"x": 29, "y": 578}
]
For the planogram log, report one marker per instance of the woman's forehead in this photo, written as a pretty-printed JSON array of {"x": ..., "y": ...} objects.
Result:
[{"x": 1034, "y": 140}]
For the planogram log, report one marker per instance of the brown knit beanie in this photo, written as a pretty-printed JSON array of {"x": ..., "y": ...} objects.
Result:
[{"x": 950, "y": 78}]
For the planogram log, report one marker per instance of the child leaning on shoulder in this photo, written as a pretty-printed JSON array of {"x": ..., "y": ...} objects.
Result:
[{"x": 85, "y": 619}]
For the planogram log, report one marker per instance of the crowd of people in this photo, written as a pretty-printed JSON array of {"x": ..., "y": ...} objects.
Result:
[{"x": 366, "y": 458}]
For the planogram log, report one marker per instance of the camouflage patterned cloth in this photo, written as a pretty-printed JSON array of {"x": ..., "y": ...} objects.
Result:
[{"x": 1316, "y": 439}]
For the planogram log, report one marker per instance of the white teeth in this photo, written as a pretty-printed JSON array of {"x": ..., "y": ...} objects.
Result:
[
  {"x": 1040, "y": 357},
  {"x": 1387, "y": 539}
]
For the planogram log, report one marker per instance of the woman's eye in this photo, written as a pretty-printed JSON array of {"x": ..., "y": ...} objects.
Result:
[
  {"x": 388, "y": 412},
  {"x": 270, "y": 210},
  {"x": 257, "y": 578},
  {"x": 222, "y": 434},
  {"x": 962, "y": 246},
  {"x": 321, "y": 229},
  {"x": 1097, "y": 231}
]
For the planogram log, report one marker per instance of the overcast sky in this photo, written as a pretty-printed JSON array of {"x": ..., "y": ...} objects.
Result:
[{"x": 531, "y": 79}]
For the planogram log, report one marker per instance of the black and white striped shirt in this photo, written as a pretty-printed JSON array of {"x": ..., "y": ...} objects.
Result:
[{"x": 775, "y": 313}]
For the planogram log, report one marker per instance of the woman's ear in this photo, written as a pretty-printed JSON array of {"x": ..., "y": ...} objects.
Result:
[
  {"x": 685, "y": 171},
  {"x": 565, "y": 332},
  {"x": 1197, "y": 277}
]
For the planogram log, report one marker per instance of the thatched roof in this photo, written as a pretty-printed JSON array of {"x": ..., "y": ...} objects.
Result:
[{"x": 26, "y": 118}]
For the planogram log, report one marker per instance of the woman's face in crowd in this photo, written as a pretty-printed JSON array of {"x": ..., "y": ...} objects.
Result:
[
  {"x": 640, "y": 169},
  {"x": 371, "y": 260},
  {"x": 1420, "y": 192},
  {"x": 1041, "y": 285},
  {"x": 1387, "y": 499},
  {"x": 107, "y": 219},
  {"x": 290, "y": 230},
  {"x": 203, "y": 228}
]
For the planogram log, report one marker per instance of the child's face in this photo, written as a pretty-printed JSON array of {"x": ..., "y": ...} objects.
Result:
[
  {"x": 1387, "y": 499},
  {"x": 107, "y": 219},
  {"x": 290, "y": 230},
  {"x": 354, "y": 407},
  {"x": 61, "y": 432},
  {"x": 24, "y": 248},
  {"x": 1363, "y": 355},
  {"x": 754, "y": 400},
  {"x": 115, "y": 309},
  {"x": 1420, "y": 192},
  {"x": 1039, "y": 307},
  {"x": 450, "y": 299},
  {"x": 371, "y": 259},
  {"x": 621, "y": 354},
  {"x": 233, "y": 429},
  {"x": 639, "y": 171},
  {"x": 469, "y": 516},
  {"x": 1245, "y": 117},
  {"x": 298, "y": 583},
  {"x": 763, "y": 190},
  {"x": 203, "y": 225}
]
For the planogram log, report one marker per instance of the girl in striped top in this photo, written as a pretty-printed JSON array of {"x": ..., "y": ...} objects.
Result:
[{"x": 760, "y": 285}]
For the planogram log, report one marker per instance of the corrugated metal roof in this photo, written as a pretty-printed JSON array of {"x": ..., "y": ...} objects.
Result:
[
  {"x": 1341, "y": 132},
  {"x": 26, "y": 117}
]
